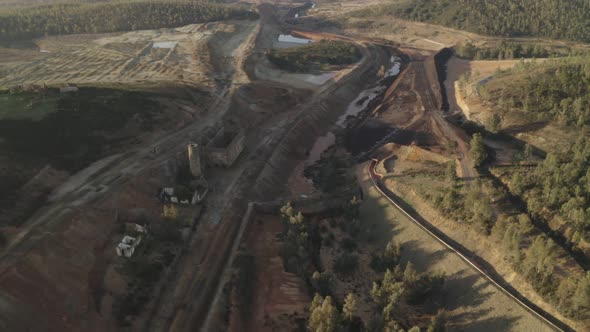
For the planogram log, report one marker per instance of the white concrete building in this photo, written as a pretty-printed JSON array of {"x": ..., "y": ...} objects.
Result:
[{"x": 126, "y": 247}]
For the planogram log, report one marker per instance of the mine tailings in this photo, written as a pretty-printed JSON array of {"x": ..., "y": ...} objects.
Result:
[{"x": 316, "y": 120}]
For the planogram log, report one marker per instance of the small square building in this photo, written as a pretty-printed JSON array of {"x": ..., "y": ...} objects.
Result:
[{"x": 225, "y": 147}]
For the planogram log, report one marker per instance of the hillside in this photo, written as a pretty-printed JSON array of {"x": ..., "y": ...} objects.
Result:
[
  {"x": 546, "y": 105},
  {"x": 510, "y": 18},
  {"x": 553, "y": 90},
  {"x": 77, "y": 18}
]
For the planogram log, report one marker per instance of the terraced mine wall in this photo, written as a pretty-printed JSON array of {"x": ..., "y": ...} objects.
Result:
[{"x": 316, "y": 120}]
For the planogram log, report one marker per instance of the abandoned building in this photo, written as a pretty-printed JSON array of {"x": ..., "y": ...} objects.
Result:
[
  {"x": 127, "y": 246},
  {"x": 224, "y": 148},
  {"x": 170, "y": 194}
]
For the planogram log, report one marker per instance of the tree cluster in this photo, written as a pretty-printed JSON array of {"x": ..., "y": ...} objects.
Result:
[
  {"x": 397, "y": 287},
  {"x": 325, "y": 317},
  {"x": 478, "y": 150},
  {"x": 387, "y": 259},
  {"x": 301, "y": 242},
  {"x": 316, "y": 56},
  {"x": 556, "y": 89},
  {"x": 555, "y": 19},
  {"x": 297, "y": 247},
  {"x": 465, "y": 202},
  {"x": 75, "y": 18},
  {"x": 560, "y": 185},
  {"x": 535, "y": 257},
  {"x": 504, "y": 51}
]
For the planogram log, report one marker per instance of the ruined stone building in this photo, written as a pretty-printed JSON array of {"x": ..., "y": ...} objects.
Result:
[{"x": 225, "y": 148}]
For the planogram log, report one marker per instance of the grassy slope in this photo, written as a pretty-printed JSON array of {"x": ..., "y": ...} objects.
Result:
[{"x": 70, "y": 131}]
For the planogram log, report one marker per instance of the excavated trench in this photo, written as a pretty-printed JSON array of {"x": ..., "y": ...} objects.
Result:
[{"x": 440, "y": 61}]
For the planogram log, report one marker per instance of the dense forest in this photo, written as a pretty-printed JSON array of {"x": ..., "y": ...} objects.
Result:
[
  {"x": 35, "y": 21},
  {"x": 557, "y": 90},
  {"x": 556, "y": 19}
]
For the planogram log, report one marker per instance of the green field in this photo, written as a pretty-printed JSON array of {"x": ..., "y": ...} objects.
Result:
[
  {"x": 25, "y": 106},
  {"x": 70, "y": 130}
]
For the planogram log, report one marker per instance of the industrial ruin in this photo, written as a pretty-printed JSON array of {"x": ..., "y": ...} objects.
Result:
[
  {"x": 127, "y": 246},
  {"x": 225, "y": 147}
]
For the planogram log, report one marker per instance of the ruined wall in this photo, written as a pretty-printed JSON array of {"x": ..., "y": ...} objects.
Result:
[
  {"x": 225, "y": 156},
  {"x": 235, "y": 148}
]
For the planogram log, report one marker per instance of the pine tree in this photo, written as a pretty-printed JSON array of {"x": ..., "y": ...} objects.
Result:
[
  {"x": 349, "y": 307},
  {"x": 478, "y": 150},
  {"x": 324, "y": 318},
  {"x": 410, "y": 275},
  {"x": 437, "y": 323}
]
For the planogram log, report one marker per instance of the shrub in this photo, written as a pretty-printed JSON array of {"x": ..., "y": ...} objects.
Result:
[
  {"x": 348, "y": 244},
  {"x": 346, "y": 264},
  {"x": 323, "y": 282}
]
